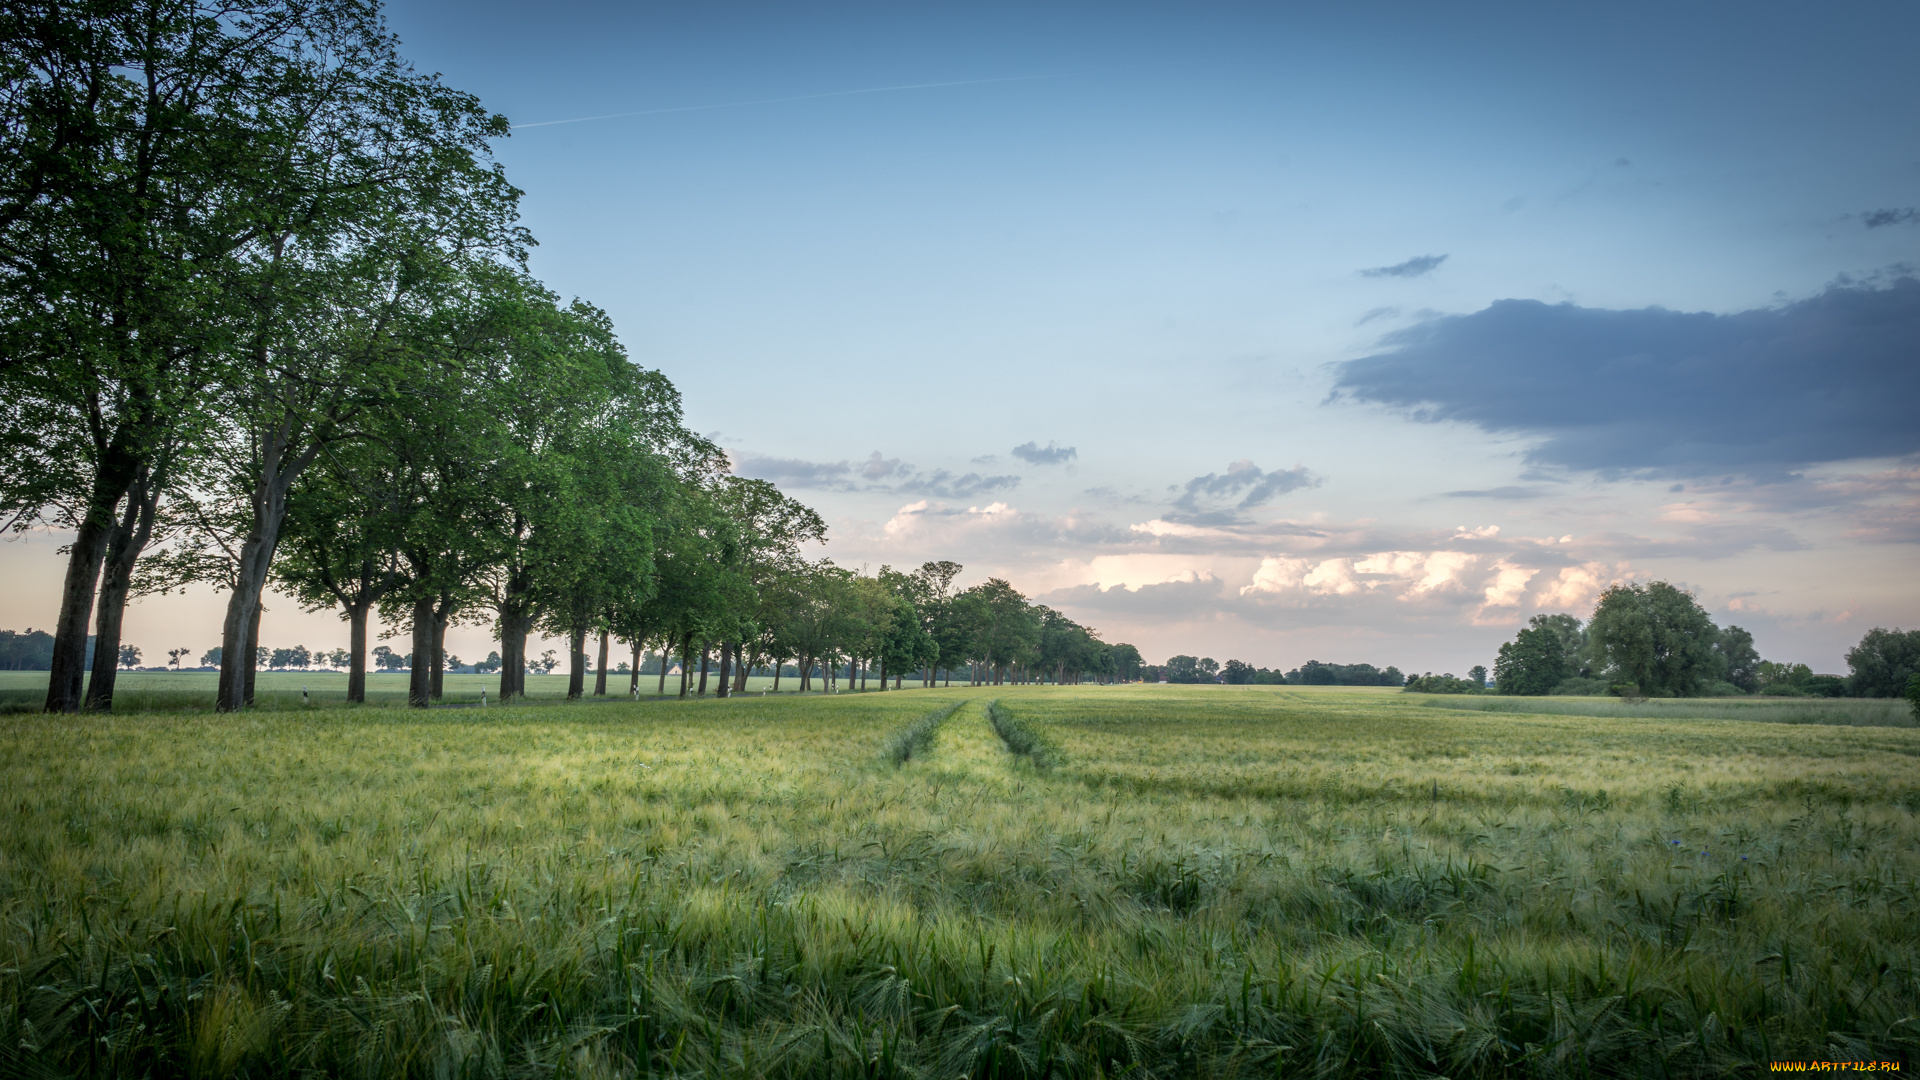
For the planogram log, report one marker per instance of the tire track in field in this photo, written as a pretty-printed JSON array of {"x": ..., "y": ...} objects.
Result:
[
  {"x": 916, "y": 739},
  {"x": 1021, "y": 739}
]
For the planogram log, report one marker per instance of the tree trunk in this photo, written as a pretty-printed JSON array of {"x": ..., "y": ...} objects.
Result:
[
  {"x": 437, "y": 673},
  {"x": 252, "y": 669},
  {"x": 743, "y": 666},
  {"x": 664, "y": 653},
  {"x": 600, "y": 680},
  {"x": 515, "y": 624},
  {"x": 237, "y": 632},
  {"x": 577, "y": 661},
  {"x": 726, "y": 672},
  {"x": 130, "y": 536},
  {"x": 420, "y": 669},
  {"x": 686, "y": 663},
  {"x": 357, "y": 645},
  {"x": 778, "y": 663},
  {"x": 706, "y": 653},
  {"x": 633, "y": 683}
]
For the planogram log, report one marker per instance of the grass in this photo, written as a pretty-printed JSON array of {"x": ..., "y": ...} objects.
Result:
[
  {"x": 1207, "y": 881},
  {"x": 1859, "y": 712}
]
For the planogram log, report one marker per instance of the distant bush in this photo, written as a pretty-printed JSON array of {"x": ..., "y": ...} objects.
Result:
[
  {"x": 1825, "y": 686},
  {"x": 1579, "y": 687},
  {"x": 1442, "y": 684}
]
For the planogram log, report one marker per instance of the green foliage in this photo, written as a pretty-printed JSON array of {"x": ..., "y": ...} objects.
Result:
[
  {"x": 1655, "y": 637},
  {"x": 1315, "y": 673},
  {"x": 1913, "y": 693},
  {"x": 1443, "y": 684},
  {"x": 1883, "y": 662},
  {"x": 1739, "y": 661},
  {"x": 1533, "y": 663},
  {"x": 1185, "y": 669},
  {"x": 28, "y": 651}
]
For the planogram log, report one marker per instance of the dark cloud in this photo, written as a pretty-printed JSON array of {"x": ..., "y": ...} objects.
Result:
[
  {"x": 1242, "y": 476},
  {"x": 1874, "y": 219},
  {"x": 1656, "y": 392},
  {"x": 1508, "y": 492},
  {"x": 1414, "y": 267},
  {"x": 1035, "y": 454}
]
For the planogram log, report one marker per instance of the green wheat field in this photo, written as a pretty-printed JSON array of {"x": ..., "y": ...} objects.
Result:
[{"x": 1142, "y": 881}]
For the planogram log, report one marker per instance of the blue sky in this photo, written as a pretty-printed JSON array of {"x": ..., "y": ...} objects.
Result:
[{"x": 1340, "y": 308}]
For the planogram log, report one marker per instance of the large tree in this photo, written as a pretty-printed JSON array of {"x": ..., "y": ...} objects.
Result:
[
  {"x": 1655, "y": 637},
  {"x": 1883, "y": 662}
]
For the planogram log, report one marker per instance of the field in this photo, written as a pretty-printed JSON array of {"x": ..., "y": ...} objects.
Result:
[
  {"x": 186, "y": 691},
  {"x": 1008, "y": 882}
]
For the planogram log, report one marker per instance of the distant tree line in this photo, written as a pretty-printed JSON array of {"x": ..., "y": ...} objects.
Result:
[
  {"x": 1655, "y": 640},
  {"x": 1205, "y": 669}
]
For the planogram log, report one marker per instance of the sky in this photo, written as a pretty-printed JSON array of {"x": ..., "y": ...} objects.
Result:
[{"x": 1277, "y": 332}]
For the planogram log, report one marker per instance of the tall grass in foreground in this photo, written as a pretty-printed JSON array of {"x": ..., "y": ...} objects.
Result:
[{"x": 1207, "y": 883}]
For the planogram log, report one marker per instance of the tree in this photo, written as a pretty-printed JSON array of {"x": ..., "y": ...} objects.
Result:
[
  {"x": 1883, "y": 662},
  {"x": 129, "y": 656},
  {"x": 173, "y": 658},
  {"x": 1237, "y": 673},
  {"x": 1572, "y": 635},
  {"x": 211, "y": 658},
  {"x": 488, "y": 666},
  {"x": 1913, "y": 693},
  {"x": 1127, "y": 662},
  {"x": 339, "y": 549},
  {"x": 1655, "y": 637},
  {"x": 1478, "y": 674},
  {"x": 1532, "y": 664},
  {"x": 1738, "y": 658},
  {"x": 1183, "y": 669}
]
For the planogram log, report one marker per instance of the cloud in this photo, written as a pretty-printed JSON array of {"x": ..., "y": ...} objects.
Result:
[
  {"x": 1658, "y": 392},
  {"x": 1492, "y": 588},
  {"x": 945, "y": 485},
  {"x": 877, "y": 467},
  {"x": 903, "y": 478},
  {"x": 1508, "y": 492},
  {"x": 1875, "y": 219},
  {"x": 1241, "y": 476},
  {"x": 793, "y": 471},
  {"x": 1414, "y": 267},
  {"x": 1035, "y": 454}
]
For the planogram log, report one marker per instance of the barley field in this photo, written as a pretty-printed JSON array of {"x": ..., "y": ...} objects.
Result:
[{"x": 1009, "y": 882}]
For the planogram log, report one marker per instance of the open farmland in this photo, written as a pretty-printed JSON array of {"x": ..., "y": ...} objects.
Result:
[{"x": 999, "y": 881}]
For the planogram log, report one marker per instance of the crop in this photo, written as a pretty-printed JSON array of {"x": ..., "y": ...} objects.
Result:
[{"x": 1210, "y": 881}]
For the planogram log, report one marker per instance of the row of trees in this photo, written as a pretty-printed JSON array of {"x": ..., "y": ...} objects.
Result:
[
  {"x": 1656, "y": 640},
  {"x": 265, "y": 318},
  {"x": 1205, "y": 669}
]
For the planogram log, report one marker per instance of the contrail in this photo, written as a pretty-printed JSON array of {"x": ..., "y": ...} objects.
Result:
[{"x": 775, "y": 101}]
